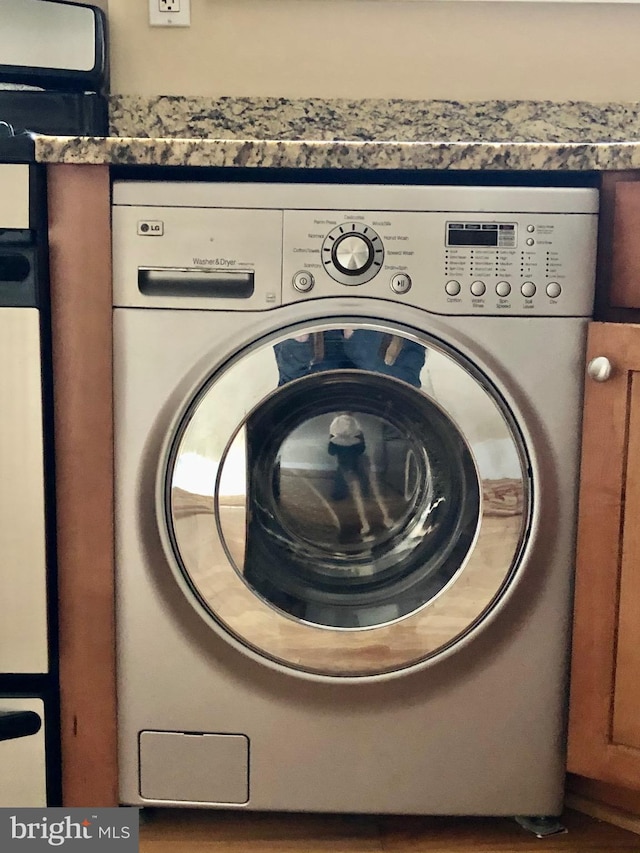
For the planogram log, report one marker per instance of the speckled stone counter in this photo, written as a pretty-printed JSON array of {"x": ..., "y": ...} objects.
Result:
[{"x": 368, "y": 134}]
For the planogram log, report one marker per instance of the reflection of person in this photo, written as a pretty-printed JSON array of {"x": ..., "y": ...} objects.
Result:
[
  {"x": 391, "y": 355},
  {"x": 349, "y": 349},
  {"x": 353, "y": 474},
  {"x": 346, "y": 443}
]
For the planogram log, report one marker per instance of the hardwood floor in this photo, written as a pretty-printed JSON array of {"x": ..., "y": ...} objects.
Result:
[{"x": 183, "y": 831}]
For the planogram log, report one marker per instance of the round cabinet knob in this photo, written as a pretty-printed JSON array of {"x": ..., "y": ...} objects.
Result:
[
  {"x": 352, "y": 254},
  {"x": 600, "y": 368}
]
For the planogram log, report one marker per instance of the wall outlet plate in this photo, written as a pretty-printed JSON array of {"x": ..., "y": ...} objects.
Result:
[{"x": 170, "y": 13}]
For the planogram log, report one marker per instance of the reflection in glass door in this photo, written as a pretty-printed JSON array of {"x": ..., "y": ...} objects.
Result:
[
  {"x": 344, "y": 479},
  {"x": 355, "y": 516}
]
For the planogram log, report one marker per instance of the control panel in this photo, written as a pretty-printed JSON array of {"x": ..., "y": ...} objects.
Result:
[
  {"x": 532, "y": 263},
  {"x": 447, "y": 250}
]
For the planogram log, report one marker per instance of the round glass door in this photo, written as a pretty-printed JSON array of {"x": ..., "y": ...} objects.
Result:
[{"x": 346, "y": 501}]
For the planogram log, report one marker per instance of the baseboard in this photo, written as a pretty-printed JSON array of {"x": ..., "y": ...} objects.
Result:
[{"x": 603, "y": 811}]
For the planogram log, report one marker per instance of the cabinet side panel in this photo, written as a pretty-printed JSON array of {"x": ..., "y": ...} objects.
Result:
[
  {"x": 625, "y": 265},
  {"x": 80, "y": 272}
]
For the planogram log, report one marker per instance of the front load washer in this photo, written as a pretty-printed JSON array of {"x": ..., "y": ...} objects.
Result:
[{"x": 347, "y": 433}]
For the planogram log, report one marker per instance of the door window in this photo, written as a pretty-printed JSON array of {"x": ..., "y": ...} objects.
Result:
[
  {"x": 355, "y": 516},
  {"x": 343, "y": 489}
]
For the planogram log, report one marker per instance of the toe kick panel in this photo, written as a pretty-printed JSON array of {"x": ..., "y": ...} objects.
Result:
[{"x": 194, "y": 768}]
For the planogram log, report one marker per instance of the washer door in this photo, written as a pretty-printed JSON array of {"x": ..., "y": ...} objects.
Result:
[{"x": 346, "y": 501}]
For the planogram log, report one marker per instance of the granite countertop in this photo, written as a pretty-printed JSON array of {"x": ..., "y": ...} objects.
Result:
[{"x": 368, "y": 134}]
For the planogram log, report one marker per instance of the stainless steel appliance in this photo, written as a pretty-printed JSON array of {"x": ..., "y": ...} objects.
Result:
[
  {"x": 346, "y": 426},
  {"x": 54, "y": 45},
  {"x": 28, "y": 680},
  {"x": 53, "y": 73}
]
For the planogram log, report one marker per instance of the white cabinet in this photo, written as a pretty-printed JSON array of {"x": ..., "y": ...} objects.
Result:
[
  {"x": 22, "y": 758},
  {"x": 23, "y": 582},
  {"x": 28, "y": 678}
]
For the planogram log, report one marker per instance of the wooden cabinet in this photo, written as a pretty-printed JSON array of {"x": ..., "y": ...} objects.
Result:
[
  {"x": 619, "y": 247},
  {"x": 604, "y": 725},
  {"x": 80, "y": 275}
]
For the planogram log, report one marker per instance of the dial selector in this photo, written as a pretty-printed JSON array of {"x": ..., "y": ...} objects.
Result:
[{"x": 352, "y": 253}]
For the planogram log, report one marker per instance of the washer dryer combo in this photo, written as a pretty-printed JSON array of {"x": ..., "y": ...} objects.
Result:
[{"x": 347, "y": 429}]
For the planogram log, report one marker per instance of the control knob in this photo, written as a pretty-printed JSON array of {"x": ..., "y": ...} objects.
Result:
[{"x": 352, "y": 253}]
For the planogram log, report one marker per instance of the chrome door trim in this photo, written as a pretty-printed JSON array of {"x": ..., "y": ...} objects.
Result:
[{"x": 225, "y": 601}]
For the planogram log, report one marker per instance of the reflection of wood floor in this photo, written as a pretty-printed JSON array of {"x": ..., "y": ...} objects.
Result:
[
  {"x": 310, "y": 506},
  {"x": 209, "y": 569},
  {"x": 177, "y": 831},
  {"x": 311, "y": 509}
]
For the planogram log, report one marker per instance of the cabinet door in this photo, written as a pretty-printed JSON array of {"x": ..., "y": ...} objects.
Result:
[
  {"x": 604, "y": 719},
  {"x": 23, "y": 576},
  {"x": 22, "y": 753}
]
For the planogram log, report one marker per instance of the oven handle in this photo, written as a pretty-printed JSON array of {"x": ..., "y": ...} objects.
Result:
[{"x": 15, "y": 724}]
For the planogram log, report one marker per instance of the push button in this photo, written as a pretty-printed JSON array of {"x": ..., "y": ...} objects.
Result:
[
  {"x": 400, "y": 283},
  {"x": 452, "y": 288},
  {"x": 478, "y": 288},
  {"x": 528, "y": 289},
  {"x": 503, "y": 288},
  {"x": 553, "y": 290},
  {"x": 303, "y": 281}
]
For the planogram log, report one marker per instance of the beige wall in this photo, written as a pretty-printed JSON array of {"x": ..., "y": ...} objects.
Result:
[{"x": 381, "y": 48}]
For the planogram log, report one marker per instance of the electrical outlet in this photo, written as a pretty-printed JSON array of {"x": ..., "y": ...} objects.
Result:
[{"x": 170, "y": 13}]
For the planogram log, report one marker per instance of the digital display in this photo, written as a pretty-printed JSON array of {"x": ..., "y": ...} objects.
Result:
[
  {"x": 491, "y": 234},
  {"x": 473, "y": 238}
]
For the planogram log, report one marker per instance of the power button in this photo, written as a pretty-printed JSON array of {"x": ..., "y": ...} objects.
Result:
[{"x": 303, "y": 281}]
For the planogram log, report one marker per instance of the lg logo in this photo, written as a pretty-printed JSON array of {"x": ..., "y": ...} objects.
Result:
[{"x": 151, "y": 228}]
